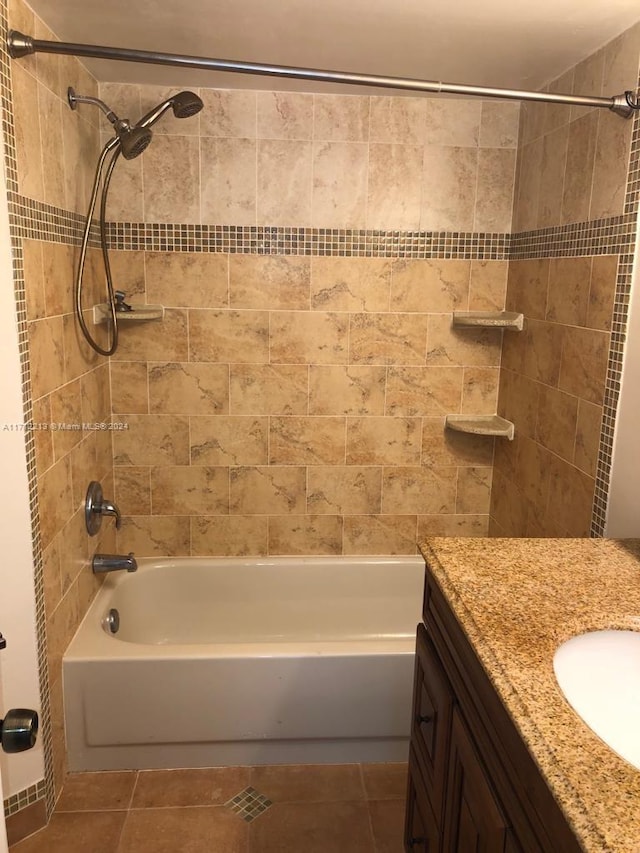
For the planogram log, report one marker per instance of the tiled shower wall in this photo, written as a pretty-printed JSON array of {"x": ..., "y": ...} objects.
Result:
[
  {"x": 50, "y": 152},
  {"x": 293, "y": 398},
  {"x": 575, "y": 221}
]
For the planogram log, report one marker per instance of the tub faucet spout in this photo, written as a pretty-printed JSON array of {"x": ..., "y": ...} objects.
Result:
[{"x": 113, "y": 563}]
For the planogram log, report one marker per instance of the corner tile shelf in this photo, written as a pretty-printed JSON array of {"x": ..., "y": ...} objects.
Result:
[
  {"x": 496, "y": 319},
  {"x": 139, "y": 313},
  {"x": 480, "y": 425}
]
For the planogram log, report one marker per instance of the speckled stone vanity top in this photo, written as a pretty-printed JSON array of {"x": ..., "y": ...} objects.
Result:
[{"x": 517, "y": 600}]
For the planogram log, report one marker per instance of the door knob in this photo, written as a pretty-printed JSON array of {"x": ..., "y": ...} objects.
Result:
[{"x": 19, "y": 730}]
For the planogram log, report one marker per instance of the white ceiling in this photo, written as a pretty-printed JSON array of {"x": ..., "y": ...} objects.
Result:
[{"x": 504, "y": 43}]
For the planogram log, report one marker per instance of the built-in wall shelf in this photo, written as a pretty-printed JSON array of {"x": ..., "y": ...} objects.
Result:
[
  {"x": 139, "y": 313},
  {"x": 497, "y": 319},
  {"x": 480, "y": 425}
]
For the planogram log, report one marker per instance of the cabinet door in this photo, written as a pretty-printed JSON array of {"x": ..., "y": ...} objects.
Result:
[
  {"x": 431, "y": 721},
  {"x": 474, "y": 822},
  {"x": 421, "y": 830}
]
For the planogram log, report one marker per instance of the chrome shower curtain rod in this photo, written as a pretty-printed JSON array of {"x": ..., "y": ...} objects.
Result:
[{"x": 20, "y": 45}]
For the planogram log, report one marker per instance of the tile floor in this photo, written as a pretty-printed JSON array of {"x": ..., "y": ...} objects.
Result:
[{"x": 345, "y": 808}]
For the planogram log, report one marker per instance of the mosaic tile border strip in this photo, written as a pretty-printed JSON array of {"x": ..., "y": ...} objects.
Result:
[
  {"x": 597, "y": 237},
  {"x": 18, "y": 213},
  {"x": 249, "y": 804},
  {"x": 19, "y": 801},
  {"x": 618, "y": 339}
]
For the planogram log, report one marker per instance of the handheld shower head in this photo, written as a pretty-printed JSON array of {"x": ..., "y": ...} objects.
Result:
[
  {"x": 133, "y": 141},
  {"x": 183, "y": 104}
]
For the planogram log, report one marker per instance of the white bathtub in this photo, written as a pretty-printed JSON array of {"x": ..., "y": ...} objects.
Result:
[{"x": 229, "y": 661}]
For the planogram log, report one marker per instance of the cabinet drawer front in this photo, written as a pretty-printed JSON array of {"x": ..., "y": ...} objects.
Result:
[
  {"x": 431, "y": 722},
  {"x": 421, "y": 830}
]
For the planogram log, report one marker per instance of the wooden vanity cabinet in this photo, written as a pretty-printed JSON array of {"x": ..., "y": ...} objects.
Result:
[{"x": 473, "y": 785}]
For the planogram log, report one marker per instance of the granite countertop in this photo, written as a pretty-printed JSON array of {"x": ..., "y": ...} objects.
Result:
[{"x": 517, "y": 600}]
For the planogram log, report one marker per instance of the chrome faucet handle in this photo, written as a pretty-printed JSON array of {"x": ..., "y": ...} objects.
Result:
[{"x": 95, "y": 507}]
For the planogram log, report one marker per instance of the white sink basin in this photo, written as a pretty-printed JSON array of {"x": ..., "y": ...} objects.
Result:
[{"x": 599, "y": 674}]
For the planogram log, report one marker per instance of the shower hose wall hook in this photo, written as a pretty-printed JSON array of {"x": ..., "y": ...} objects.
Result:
[{"x": 95, "y": 507}]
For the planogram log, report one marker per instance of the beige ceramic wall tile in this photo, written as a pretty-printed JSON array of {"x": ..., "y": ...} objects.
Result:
[
  {"x": 499, "y": 124},
  {"x": 188, "y": 490},
  {"x": 96, "y": 395},
  {"x": 556, "y": 424},
  {"x": 269, "y": 281},
  {"x": 570, "y": 497},
  {"x": 155, "y": 536},
  {"x": 578, "y": 177},
  {"x": 602, "y": 290},
  {"x": 229, "y": 536},
  {"x": 394, "y": 194},
  {"x": 85, "y": 466},
  {"x": 152, "y": 440},
  {"x": 479, "y": 391},
  {"x": 228, "y": 181},
  {"x": 449, "y": 180},
  {"x": 60, "y": 628},
  {"x": 129, "y": 389},
  {"x": 380, "y": 534},
  {"x": 188, "y": 389},
  {"x": 423, "y": 391},
  {"x": 621, "y": 61},
  {"x": 54, "y": 493},
  {"x": 156, "y": 340},
  {"x": 543, "y": 345},
  {"x": 518, "y": 401},
  {"x": 265, "y": 389},
  {"x": 353, "y": 390},
  {"x": 46, "y": 355},
  {"x": 344, "y": 490},
  {"x": 42, "y": 434},
  {"x": 610, "y": 167},
  {"x": 589, "y": 422},
  {"x": 528, "y": 199},
  {"x": 285, "y": 115},
  {"x": 533, "y": 467},
  {"x": 223, "y": 336},
  {"x": 34, "y": 278},
  {"x": 264, "y": 490},
  {"x": 552, "y": 170},
  {"x": 350, "y": 284},
  {"x": 387, "y": 338},
  {"x": 383, "y": 441},
  {"x": 587, "y": 80},
  {"x": 339, "y": 198},
  {"x": 568, "y": 294},
  {"x": 527, "y": 287},
  {"x": 452, "y": 525},
  {"x": 51, "y": 576},
  {"x": 308, "y": 534},
  {"x": 397, "y": 120},
  {"x": 473, "y": 493},
  {"x": 488, "y": 285},
  {"x": 308, "y": 338},
  {"x": 124, "y": 100},
  {"x": 74, "y": 549},
  {"x": 50, "y": 111},
  {"x": 494, "y": 189},
  {"x": 448, "y": 346},
  {"x": 229, "y": 440},
  {"x": 48, "y": 65},
  {"x": 452, "y": 121},
  {"x": 508, "y": 509},
  {"x": 187, "y": 279},
  {"x": 341, "y": 118},
  {"x": 228, "y": 113},
  {"x": 419, "y": 490},
  {"x": 66, "y": 418},
  {"x": 430, "y": 285},
  {"x": 284, "y": 182},
  {"x": 556, "y": 115},
  {"x": 307, "y": 441},
  {"x": 584, "y": 363},
  {"x": 133, "y": 490},
  {"x": 171, "y": 170},
  {"x": 442, "y": 446},
  {"x": 27, "y": 130}
]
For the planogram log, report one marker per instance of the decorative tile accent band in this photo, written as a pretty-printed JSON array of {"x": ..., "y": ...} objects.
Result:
[{"x": 25, "y": 798}]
